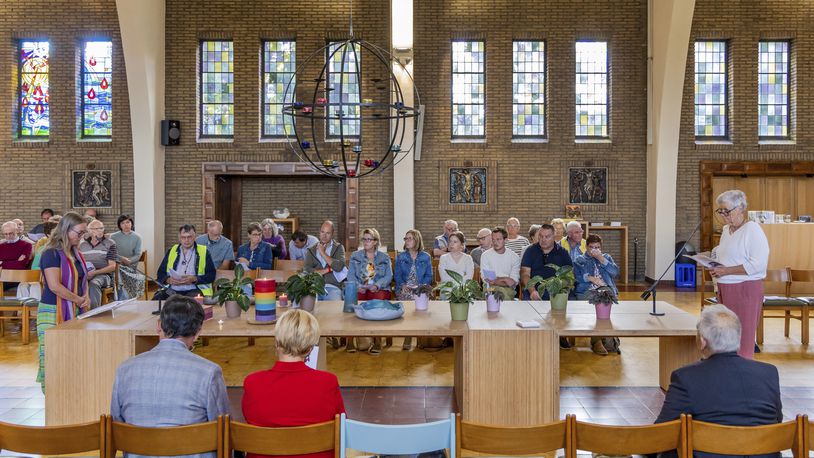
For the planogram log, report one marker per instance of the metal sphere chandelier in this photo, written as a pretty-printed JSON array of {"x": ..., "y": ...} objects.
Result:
[{"x": 347, "y": 123}]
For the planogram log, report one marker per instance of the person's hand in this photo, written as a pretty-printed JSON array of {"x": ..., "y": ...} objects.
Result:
[
  {"x": 84, "y": 303},
  {"x": 596, "y": 280},
  {"x": 719, "y": 271},
  {"x": 596, "y": 253},
  {"x": 534, "y": 295},
  {"x": 321, "y": 271},
  {"x": 243, "y": 260},
  {"x": 22, "y": 257},
  {"x": 372, "y": 288},
  {"x": 172, "y": 281},
  {"x": 124, "y": 261},
  {"x": 92, "y": 273},
  {"x": 189, "y": 280}
]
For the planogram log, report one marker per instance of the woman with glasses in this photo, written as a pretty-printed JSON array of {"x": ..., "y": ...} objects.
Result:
[
  {"x": 272, "y": 236},
  {"x": 413, "y": 269},
  {"x": 371, "y": 271},
  {"x": 255, "y": 253},
  {"x": 65, "y": 290},
  {"x": 743, "y": 254}
]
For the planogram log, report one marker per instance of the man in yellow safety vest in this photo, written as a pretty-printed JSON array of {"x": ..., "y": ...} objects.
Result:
[{"x": 187, "y": 268}]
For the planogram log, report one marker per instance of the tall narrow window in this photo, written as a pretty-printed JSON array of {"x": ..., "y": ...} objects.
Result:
[
  {"x": 773, "y": 89},
  {"x": 468, "y": 89},
  {"x": 33, "y": 113},
  {"x": 592, "y": 89},
  {"x": 528, "y": 89},
  {"x": 279, "y": 70},
  {"x": 344, "y": 90},
  {"x": 710, "y": 90},
  {"x": 217, "y": 89},
  {"x": 97, "y": 70}
]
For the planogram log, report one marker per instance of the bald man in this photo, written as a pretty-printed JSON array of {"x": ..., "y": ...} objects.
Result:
[
  {"x": 100, "y": 252},
  {"x": 219, "y": 247},
  {"x": 485, "y": 242},
  {"x": 327, "y": 258}
]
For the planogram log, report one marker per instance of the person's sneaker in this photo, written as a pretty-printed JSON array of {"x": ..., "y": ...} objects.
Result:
[
  {"x": 351, "y": 348},
  {"x": 599, "y": 349},
  {"x": 757, "y": 349},
  {"x": 375, "y": 349},
  {"x": 408, "y": 344},
  {"x": 564, "y": 345}
]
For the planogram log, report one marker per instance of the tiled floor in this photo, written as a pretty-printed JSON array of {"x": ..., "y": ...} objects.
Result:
[{"x": 406, "y": 387}]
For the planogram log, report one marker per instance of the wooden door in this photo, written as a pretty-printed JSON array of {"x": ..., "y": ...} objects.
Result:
[{"x": 229, "y": 206}]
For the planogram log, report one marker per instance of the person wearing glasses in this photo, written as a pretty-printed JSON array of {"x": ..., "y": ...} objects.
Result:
[
  {"x": 370, "y": 269},
  {"x": 255, "y": 253},
  {"x": 413, "y": 268},
  {"x": 485, "y": 242},
  {"x": 187, "y": 267},
  {"x": 100, "y": 254},
  {"x": 219, "y": 247},
  {"x": 65, "y": 290},
  {"x": 743, "y": 254},
  {"x": 515, "y": 241}
]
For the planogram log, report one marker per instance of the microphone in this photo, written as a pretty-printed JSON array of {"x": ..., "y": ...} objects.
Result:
[{"x": 652, "y": 289}]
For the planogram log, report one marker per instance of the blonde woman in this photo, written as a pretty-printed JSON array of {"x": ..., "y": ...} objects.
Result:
[
  {"x": 370, "y": 269},
  {"x": 272, "y": 236},
  {"x": 559, "y": 228},
  {"x": 65, "y": 290},
  {"x": 413, "y": 268}
]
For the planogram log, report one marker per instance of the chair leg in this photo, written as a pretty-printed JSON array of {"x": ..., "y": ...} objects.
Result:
[
  {"x": 760, "y": 329},
  {"x": 804, "y": 316},
  {"x": 26, "y": 324},
  {"x": 251, "y": 341},
  {"x": 786, "y": 319}
]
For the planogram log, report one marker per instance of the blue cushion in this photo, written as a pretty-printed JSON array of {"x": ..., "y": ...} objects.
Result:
[{"x": 379, "y": 310}]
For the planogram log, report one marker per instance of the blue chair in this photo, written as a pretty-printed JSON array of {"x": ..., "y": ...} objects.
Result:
[{"x": 396, "y": 439}]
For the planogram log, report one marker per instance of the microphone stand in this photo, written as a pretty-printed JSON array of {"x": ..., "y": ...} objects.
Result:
[
  {"x": 651, "y": 291},
  {"x": 162, "y": 287}
]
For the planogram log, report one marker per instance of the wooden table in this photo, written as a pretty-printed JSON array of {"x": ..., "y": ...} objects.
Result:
[{"x": 503, "y": 374}]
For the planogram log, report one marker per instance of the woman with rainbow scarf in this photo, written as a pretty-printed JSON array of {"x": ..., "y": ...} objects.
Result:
[{"x": 65, "y": 291}]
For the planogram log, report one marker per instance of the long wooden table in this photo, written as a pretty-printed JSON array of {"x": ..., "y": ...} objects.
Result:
[{"x": 503, "y": 374}]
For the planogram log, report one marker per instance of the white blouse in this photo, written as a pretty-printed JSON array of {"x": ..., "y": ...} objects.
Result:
[
  {"x": 465, "y": 266},
  {"x": 749, "y": 247}
]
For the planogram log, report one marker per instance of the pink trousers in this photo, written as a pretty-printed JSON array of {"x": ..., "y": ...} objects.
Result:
[{"x": 746, "y": 300}]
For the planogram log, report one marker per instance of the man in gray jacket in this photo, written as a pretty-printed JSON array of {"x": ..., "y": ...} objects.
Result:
[{"x": 169, "y": 385}]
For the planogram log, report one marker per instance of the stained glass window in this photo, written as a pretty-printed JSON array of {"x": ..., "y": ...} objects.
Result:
[
  {"x": 97, "y": 70},
  {"x": 217, "y": 89},
  {"x": 592, "y": 89},
  {"x": 279, "y": 70},
  {"x": 33, "y": 85},
  {"x": 710, "y": 89},
  {"x": 773, "y": 89},
  {"x": 344, "y": 90},
  {"x": 528, "y": 89},
  {"x": 468, "y": 89}
]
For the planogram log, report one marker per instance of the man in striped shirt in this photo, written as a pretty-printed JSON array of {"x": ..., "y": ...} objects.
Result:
[
  {"x": 515, "y": 242},
  {"x": 100, "y": 252}
]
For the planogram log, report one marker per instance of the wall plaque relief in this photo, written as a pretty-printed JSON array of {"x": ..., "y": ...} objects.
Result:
[
  {"x": 589, "y": 184},
  {"x": 94, "y": 185},
  {"x": 468, "y": 185}
]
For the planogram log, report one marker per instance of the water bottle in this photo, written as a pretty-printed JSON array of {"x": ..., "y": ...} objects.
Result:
[{"x": 350, "y": 297}]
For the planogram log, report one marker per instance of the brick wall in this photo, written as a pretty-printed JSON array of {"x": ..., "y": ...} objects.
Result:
[
  {"x": 35, "y": 174},
  {"x": 743, "y": 24}
]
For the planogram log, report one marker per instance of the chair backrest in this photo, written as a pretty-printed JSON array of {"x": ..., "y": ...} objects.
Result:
[
  {"x": 745, "y": 440},
  {"x": 476, "y": 274},
  {"x": 808, "y": 434},
  {"x": 802, "y": 282},
  {"x": 16, "y": 276},
  {"x": 506, "y": 440},
  {"x": 280, "y": 276},
  {"x": 630, "y": 440},
  {"x": 777, "y": 281},
  {"x": 176, "y": 440},
  {"x": 436, "y": 274},
  {"x": 397, "y": 439},
  {"x": 224, "y": 273},
  {"x": 299, "y": 440},
  {"x": 289, "y": 264},
  {"x": 54, "y": 440}
]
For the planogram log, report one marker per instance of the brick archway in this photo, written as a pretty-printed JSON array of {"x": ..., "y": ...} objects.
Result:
[{"x": 348, "y": 224}]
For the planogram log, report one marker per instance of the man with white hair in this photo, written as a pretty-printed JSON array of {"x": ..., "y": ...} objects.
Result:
[
  {"x": 15, "y": 253},
  {"x": 21, "y": 231},
  {"x": 440, "y": 246},
  {"x": 573, "y": 241},
  {"x": 515, "y": 241},
  {"x": 723, "y": 387},
  {"x": 101, "y": 253},
  {"x": 219, "y": 247},
  {"x": 485, "y": 241}
]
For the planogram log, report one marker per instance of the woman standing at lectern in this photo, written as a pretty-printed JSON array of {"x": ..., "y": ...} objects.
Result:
[{"x": 743, "y": 253}]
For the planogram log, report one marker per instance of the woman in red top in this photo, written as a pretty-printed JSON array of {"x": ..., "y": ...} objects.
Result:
[{"x": 291, "y": 393}]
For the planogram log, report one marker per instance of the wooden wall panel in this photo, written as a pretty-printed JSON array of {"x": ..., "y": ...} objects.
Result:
[
  {"x": 779, "y": 192},
  {"x": 753, "y": 186},
  {"x": 805, "y": 196}
]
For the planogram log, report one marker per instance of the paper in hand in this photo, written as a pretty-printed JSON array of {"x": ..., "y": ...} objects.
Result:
[
  {"x": 705, "y": 261},
  {"x": 175, "y": 275},
  {"x": 489, "y": 275}
]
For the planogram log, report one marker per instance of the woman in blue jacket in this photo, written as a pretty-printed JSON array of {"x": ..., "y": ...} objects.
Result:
[
  {"x": 413, "y": 268},
  {"x": 370, "y": 269},
  {"x": 255, "y": 253},
  {"x": 592, "y": 270}
]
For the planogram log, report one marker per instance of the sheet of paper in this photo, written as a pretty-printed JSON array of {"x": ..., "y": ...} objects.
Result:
[
  {"x": 313, "y": 357},
  {"x": 489, "y": 275},
  {"x": 704, "y": 260},
  {"x": 175, "y": 275}
]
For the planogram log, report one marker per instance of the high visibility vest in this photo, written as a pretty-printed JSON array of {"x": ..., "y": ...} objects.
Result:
[
  {"x": 583, "y": 247},
  {"x": 206, "y": 290}
]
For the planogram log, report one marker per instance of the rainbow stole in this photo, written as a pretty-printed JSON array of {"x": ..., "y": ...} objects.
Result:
[{"x": 71, "y": 280}]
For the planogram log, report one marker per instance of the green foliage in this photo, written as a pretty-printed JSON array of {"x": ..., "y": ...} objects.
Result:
[
  {"x": 458, "y": 290},
  {"x": 422, "y": 289},
  {"x": 304, "y": 284},
  {"x": 601, "y": 295},
  {"x": 500, "y": 293},
  {"x": 562, "y": 281},
  {"x": 231, "y": 289}
]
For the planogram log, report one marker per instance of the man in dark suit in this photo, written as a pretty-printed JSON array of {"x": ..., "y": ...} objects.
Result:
[{"x": 723, "y": 387}]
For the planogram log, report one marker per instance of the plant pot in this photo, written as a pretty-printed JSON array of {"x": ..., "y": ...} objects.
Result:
[
  {"x": 603, "y": 311},
  {"x": 422, "y": 302},
  {"x": 492, "y": 304},
  {"x": 459, "y": 311},
  {"x": 232, "y": 309},
  {"x": 559, "y": 302},
  {"x": 307, "y": 303}
]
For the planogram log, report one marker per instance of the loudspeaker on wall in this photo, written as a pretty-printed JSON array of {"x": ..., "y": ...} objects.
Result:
[{"x": 170, "y": 132}]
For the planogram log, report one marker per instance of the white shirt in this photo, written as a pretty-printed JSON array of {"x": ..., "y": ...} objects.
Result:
[
  {"x": 503, "y": 265},
  {"x": 749, "y": 247},
  {"x": 465, "y": 266}
]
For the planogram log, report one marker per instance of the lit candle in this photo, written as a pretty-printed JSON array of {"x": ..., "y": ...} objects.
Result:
[
  {"x": 283, "y": 300},
  {"x": 199, "y": 299}
]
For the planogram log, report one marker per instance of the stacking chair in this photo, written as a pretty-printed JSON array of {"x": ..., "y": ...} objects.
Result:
[
  {"x": 511, "y": 441},
  {"x": 707, "y": 286},
  {"x": 54, "y": 440},
  {"x": 109, "y": 293},
  {"x": 397, "y": 439},
  {"x": 802, "y": 288},
  {"x": 808, "y": 435},
  {"x": 177, "y": 440},
  {"x": 745, "y": 440},
  {"x": 26, "y": 307},
  {"x": 629, "y": 440},
  {"x": 288, "y": 264},
  {"x": 299, "y": 440},
  {"x": 777, "y": 284}
]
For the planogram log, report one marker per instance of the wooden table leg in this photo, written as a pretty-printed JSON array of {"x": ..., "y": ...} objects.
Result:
[
  {"x": 675, "y": 352},
  {"x": 26, "y": 325},
  {"x": 322, "y": 357}
]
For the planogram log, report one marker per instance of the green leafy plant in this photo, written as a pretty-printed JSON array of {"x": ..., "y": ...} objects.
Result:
[
  {"x": 422, "y": 289},
  {"x": 562, "y": 281},
  {"x": 231, "y": 289},
  {"x": 601, "y": 295},
  {"x": 304, "y": 284},
  {"x": 500, "y": 293},
  {"x": 458, "y": 290}
]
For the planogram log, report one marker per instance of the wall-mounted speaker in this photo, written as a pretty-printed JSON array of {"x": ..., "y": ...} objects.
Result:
[{"x": 170, "y": 132}]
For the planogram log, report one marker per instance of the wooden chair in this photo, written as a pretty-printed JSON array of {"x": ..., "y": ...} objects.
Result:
[
  {"x": 745, "y": 440},
  {"x": 504, "y": 440},
  {"x": 707, "y": 286},
  {"x": 802, "y": 288},
  {"x": 109, "y": 292},
  {"x": 777, "y": 283},
  {"x": 476, "y": 274},
  {"x": 436, "y": 275},
  {"x": 808, "y": 435},
  {"x": 54, "y": 440},
  {"x": 630, "y": 440},
  {"x": 26, "y": 307},
  {"x": 288, "y": 264},
  {"x": 300, "y": 440},
  {"x": 177, "y": 440}
]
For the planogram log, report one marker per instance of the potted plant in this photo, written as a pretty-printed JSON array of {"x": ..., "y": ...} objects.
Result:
[
  {"x": 603, "y": 299},
  {"x": 230, "y": 293},
  {"x": 495, "y": 295},
  {"x": 304, "y": 287},
  {"x": 421, "y": 294},
  {"x": 460, "y": 293},
  {"x": 558, "y": 285}
]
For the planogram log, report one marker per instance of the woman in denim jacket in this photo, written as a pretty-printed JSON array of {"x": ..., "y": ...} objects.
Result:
[
  {"x": 413, "y": 268},
  {"x": 370, "y": 269},
  {"x": 592, "y": 270}
]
